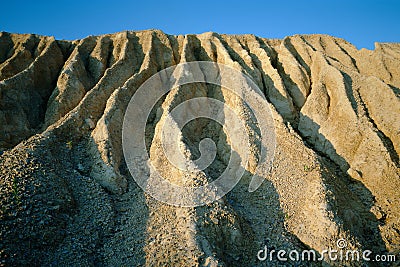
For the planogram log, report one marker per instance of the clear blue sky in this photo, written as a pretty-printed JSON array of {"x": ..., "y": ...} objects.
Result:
[{"x": 360, "y": 22}]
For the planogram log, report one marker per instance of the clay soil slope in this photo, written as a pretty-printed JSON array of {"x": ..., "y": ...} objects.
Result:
[{"x": 67, "y": 197}]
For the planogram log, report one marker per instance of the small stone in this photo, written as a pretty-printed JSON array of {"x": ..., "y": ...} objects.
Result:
[
  {"x": 90, "y": 123},
  {"x": 354, "y": 174},
  {"x": 57, "y": 207},
  {"x": 80, "y": 167},
  {"x": 214, "y": 220}
]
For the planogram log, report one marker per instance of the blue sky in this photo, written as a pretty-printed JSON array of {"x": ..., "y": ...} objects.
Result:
[{"x": 360, "y": 22}]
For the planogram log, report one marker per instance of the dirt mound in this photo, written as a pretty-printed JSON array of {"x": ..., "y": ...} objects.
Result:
[{"x": 67, "y": 196}]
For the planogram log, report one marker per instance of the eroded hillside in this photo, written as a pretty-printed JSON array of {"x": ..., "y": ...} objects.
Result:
[{"x": 67, "y": 197}]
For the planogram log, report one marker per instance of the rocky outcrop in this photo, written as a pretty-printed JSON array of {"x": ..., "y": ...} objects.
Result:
[{"x": 62, "y": 103}]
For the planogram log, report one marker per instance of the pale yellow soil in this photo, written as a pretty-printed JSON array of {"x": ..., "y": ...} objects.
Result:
[{"x": 66, "y": 195}]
